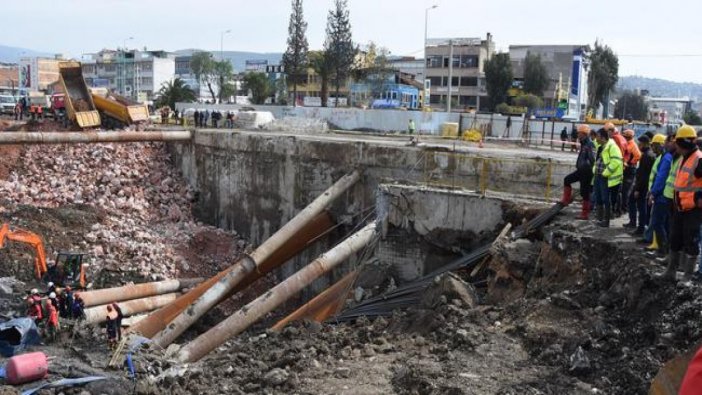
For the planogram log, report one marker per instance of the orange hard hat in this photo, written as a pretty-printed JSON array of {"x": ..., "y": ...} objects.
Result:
[
  {"x": 584, "y": 129},
  {"x": 628, "y": 133},
  {"x": 609, "y": 126}
]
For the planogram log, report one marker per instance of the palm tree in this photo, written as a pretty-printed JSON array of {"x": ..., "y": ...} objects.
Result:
[{"x": 174, "y": 91}]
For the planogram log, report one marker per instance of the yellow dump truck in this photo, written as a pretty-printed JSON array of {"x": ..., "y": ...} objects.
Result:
[
  {"x": 80, "y": 107},
  {"x": 118, "y": 111}
]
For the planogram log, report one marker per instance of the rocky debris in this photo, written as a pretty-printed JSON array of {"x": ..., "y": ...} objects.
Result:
[
  {"x": 146, "y": 207},
  {"x": 449, "y": 288}
]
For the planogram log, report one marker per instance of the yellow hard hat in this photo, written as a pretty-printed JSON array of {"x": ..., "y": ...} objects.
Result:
[
  {"x": 583, "y": 129},
  {"x": 658, "y": 139},
  {"x": 686, "y": 132}
]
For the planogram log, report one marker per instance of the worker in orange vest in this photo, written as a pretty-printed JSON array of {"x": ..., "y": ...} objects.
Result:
[
  {"x": 621, "y": 143},
  {"x": 687, "y": 206}
]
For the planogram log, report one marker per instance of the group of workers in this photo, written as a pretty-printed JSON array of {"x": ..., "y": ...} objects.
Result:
[
  {"x": 656, "y": 180},
  {"x": 46, "y": 309},
  {"x": 201, "y": 119}
]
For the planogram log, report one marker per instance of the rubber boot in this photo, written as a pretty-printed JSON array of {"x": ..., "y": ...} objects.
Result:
[
  {"x": 567, "y": 195},
  {"x": 585, "y": 211},
  {"x": 654, "y": 244},
  {"x": 599, "y": 213},
  {"x": 607, "y": 216},
  {"x": 688, "y": 266},
  {"x": 673, "y": 260}
]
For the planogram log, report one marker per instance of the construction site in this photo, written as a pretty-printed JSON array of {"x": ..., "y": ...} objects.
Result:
[{"x": 284, "y": 261}]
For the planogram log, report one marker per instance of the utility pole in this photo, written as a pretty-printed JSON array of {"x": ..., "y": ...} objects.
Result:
[
  {"x": 426, "y": 31},
  {"x": 123, "y": 69},
  {"x": 450, "y": 77},
  {"x": 221, "y": 44}
]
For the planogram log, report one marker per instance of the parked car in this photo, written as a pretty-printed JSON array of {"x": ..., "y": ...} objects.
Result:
[{"x": 7, "y": 104}]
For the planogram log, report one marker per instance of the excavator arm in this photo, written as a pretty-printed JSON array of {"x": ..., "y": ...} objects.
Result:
[{"x": 31, "y": 239}]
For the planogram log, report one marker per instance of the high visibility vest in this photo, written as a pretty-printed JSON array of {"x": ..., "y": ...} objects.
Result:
[
  {"x": 669, "y": 190},
  {"x": 633, "y": 154},
  {"x": 654, "y": 171},
  {"x": 614, "y": 164},
  {"x": 686, "y": 184}
]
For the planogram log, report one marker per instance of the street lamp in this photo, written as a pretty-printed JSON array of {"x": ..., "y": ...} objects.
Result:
[
  {"x": 426, "y": 31},
  {"x": 221, "y": 43},
  {"x": 123, "y": 61}
]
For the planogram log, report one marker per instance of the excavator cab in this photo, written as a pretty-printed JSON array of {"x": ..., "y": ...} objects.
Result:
[{"x": 68, "y": 269}]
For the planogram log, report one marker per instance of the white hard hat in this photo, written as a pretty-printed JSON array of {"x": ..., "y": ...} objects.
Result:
[
  {"x": 50, "y": 284},
  {"x": 34, "y": 291},
  {"x": 52, "y": 295}
]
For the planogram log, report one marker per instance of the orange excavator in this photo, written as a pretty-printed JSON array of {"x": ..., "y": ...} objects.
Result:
[
  {"x": 68, "y": 268},
  {"x": 33, "y": 240}
]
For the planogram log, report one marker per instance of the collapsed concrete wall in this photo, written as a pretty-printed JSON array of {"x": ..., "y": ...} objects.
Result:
[{"x": 254, "y": 182}]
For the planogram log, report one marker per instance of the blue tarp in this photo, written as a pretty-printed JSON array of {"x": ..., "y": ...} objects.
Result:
[{"x": 16, "y": 335}]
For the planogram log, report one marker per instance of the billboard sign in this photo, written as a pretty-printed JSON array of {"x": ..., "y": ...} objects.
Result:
[{"x": 256, "y": 65}]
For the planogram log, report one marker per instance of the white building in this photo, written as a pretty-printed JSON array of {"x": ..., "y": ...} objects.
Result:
[
  {"x": 673, "y": 109},
  {"x": 132, "y": 73}
]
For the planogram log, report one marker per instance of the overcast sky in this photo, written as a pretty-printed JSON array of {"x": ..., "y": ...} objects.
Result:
[{"x": 647, "y": 28}]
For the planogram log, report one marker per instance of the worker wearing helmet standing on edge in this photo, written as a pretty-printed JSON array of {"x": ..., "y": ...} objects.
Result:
[
  {"x": 632, "y": 156},
  {"x": 608, "y": 171},
  {"x": 639, "y": 191},
  {"x": 687, "y": 206},
  {"x": 623, "y": 146},
  {"x": 582, "y": 173},
  {"x": 658, "y": 199}
]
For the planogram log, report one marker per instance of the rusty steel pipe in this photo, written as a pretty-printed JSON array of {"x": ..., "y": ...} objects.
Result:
[
  {"x": 136, "y": 291},
  {"x": 322, "y": 306},
  {"x": 249, "y": 263},
  {"x": 264, "y": 304},
  {"x": 91, "y": 137},
  {"x": 158, "y": 320},
  {"x": 98, "y": 314}
]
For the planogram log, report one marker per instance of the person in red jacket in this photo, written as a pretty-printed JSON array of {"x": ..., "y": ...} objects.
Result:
[
  {"x": 692, "y": 382},
  {"x": 52, "y": 324}
]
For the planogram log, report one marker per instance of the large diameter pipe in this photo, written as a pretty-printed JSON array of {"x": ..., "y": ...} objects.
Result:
[
  {"x": 91, "y": 137},
  {"x": 98, "y": 314},
  {"x": 158, "y": 320},
  {"x": 252, "y": 312},
  {"x": 249, "y": 263},
  {"x": 136, "y": 291},
  {"x": 324, "y": 305}
]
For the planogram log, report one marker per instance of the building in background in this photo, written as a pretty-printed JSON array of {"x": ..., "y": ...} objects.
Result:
[
  {"x": 669, "y": 110},
  {"x": 37, "y": 73},
  {"x": 467, "y": 80},
  {"x": 408, "y": 65},
  {"x": 132, "y": 73},
  {"x": 184, "y": 71},
  {"x": 567, "y": 70},
  {"x": 256, "y": 66},
  {"x": 9, "y": 79}
]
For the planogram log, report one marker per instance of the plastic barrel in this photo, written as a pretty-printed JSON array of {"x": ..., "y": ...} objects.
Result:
[{"x": 25, "y": 368}]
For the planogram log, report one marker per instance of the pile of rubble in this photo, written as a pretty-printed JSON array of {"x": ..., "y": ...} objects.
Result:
[{"x": 145, "y": 206}]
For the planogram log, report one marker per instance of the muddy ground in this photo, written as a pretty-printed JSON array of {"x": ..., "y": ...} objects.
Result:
[{"x": 573, "y": 310}]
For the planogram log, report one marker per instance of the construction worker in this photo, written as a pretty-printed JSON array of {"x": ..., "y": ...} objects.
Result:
[
  {"x": 52, "y": 321},
  {"x": 78, "y": 308},
  {"x": 582, "y": 173},
  {"x": 639, "y": 191},
  {"x": 623, "y": 149},
  {"x": 659, "y": 195},
  {"x": 608, "y": 171},
  {"x": 564, "y": 137},
  {"x": 50, "y": 288},
  {"x": 34, "y": 310},
  {"x": 111, "y": 327},
  {"x": 687, "y": 206},
  {"x": 119, "y": 318},
  {"x": 631, "y": 156}
]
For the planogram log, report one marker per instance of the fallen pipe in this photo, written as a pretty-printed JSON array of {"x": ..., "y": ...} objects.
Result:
[
  {"x": 158, "y": 320},
  {"x": 249, "y": 263},
  {"x": 325, "y": 305},
  {"x": 252, "y": 312},
  {"x": 136, "y": 291},
  {"x": 91, "y": 137},
  {"x": 98, "y": 314}
]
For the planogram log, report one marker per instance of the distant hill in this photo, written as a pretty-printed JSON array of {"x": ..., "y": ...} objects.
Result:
[
  {"x": 661, "y": 88},
  {"x": 239, "y": 58},
  {"x": 13, "y": 54}
]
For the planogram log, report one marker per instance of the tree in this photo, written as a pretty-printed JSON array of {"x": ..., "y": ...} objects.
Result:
[
  {"x": 535, "y": 75},
  {"x": 603, "y": 75},
  {"x": 175, "y": 91},
  {"x": 692, "y": 118},
  {"x": 211, "y": 72},
  {"x": 259, "y": 85},
  {"x": 631, "y": 106},
  {"x": 530, "y": 101},
  {"x": 319, "y": 62},
  {"x": 498, "y": 78},
  {"x": 338, "y": 45},
  {"x": 295, "y": 59},
  {"x": 202, "y": 65}
]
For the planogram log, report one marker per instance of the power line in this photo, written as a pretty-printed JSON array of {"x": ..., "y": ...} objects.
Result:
[{"x": 661, "y": 55}]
